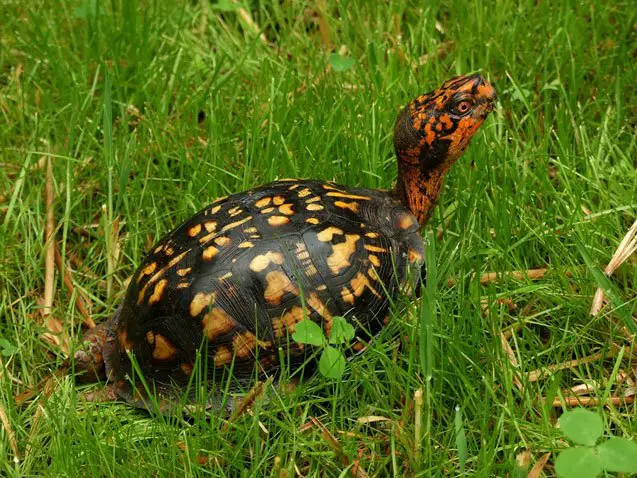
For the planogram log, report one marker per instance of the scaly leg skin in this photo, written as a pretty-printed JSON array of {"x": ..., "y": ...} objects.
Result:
[
  {"x": 89, "y": 362},
  {"x": 108, "y": 393}
]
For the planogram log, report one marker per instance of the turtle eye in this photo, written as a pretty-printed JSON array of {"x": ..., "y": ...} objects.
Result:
[{"x": 462, "y": 107}]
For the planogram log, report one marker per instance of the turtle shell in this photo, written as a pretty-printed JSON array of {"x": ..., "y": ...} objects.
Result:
[{"x": 227, "y": 287}]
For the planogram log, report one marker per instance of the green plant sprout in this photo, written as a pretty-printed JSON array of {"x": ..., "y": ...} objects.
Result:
[
  {"x": 332, "y": 361},
  {"x": 585, "y": 428}
]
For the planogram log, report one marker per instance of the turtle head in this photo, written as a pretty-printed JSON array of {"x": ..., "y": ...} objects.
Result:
[{"x": 432, "y": 132}]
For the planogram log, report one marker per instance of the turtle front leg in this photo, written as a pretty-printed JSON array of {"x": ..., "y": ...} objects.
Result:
[
  {"x": 108, "y": 393},
  {"x": 89, "y": 360}
]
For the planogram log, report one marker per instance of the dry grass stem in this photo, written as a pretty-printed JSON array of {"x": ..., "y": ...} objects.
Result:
[
  {"x": 488, "y": 277},
  {"x": 13, "y": 443},
  {"x": 510, "y": 354},
  {"x": 249, "y": 23},
  {"x": 80, "y": 299},
  {"x": 324, "y": 27},
  {"x": 441, "y": 51},
  {"x": 247, "y": 401},
  {"x": 592, "y": 401},
  {"x": 536, "y": 471},
  {"x": 626, "y": 248},
  {"x": 50, "y": 384},
  {"x": 535, "y": 375},
  {"x": 42, "y": 385},
  {"x": 372, "y": 419},
  {"x": 356, "y": 470},
  {"x": 49, "y": 230},
  {"x": 417, "y": 424}
]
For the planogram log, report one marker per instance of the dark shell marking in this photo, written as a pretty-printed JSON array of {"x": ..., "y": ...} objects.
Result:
[{"x": 246, "y": 269}]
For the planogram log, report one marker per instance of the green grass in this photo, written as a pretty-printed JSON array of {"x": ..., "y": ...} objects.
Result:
[{"x": 220, "y": 111}]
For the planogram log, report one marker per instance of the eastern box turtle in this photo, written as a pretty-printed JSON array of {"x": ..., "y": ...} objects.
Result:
[{"x": 227, "y": 287}]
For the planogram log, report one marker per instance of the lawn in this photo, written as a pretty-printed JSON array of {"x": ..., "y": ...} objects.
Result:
[{"x": 148, "y": 110}]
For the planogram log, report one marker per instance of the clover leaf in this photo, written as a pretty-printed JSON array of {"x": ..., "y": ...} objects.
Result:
[{"x": 307, "y": 332}]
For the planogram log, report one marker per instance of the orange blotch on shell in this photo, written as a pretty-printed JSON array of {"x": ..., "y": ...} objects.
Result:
[
  {"x": 222, "y": 356},
  {"x": 194, "y": 230},
  {"x": 163, "y": 348},
  {"x": 372, "y": 235},
  {"x": 226, "y": 276},
  {"x": 158, "y": 274},
  {"x": 314, "y": 207},
  {"x": 235, "y": 224},
  {"x": 315, "y": 302},
  {"x": 293, "y": 187},
  {"x": 263, "y": 202},
  {"x": 312, "y": 220},
  {"x": 186, "y": 369},
  {"x": 158, "y": 292},
  {"x": 352, "y": 206},
  {"x": 304, "y": 192},
  {"x": 286, "y": 209},
  {"x": 124, "y": 341},
  {"x": 278, "y": 200},
  {"x": 372, "y": 248},
  {"x": 301, "y": 251},
  {"x": 245, "y": 343},
  {"x": 216, "y": 322},
  {"x": 348, "y": 196},
  {"x": 341, "y": 253},
  {"x": 223, "y": 241},
  {"x": 262, "y": 261},
  {"x": 314, "y": 199},
  {"x": 200, "y": 302},
  {"x": 330, "y": 187},
  {"x": 328, "y": 233},
  {"x": 277, "y": 285},
  {"x": 209, "y": 253},
  {"x": 210, "y": 226},
  {"x": 359, "y": 283},
  {"x": 147, "y": 270},
  {"x": 214, "y": 210},
  {"x": 374, "y": 260},
  {"x": 246, "y": 245},
  {"x": 267, "y": 210},
  {"x": 278, "y": 220},
  {"x": 168, "y": 251},
  {"x": 288, "y": 321},
  {"x": 207, "y": 238},
  {"x": 183, "y": 272},
  {"x": 250, "y": 230},
  {"x": 234, "y": 211},
  {"x": 347, "y": 295},
  {"x": 183, "y": 285}
]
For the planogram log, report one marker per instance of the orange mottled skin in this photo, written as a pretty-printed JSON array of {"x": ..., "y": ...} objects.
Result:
[{"x": 431, "y": 133}]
